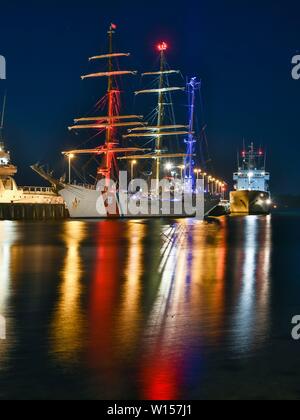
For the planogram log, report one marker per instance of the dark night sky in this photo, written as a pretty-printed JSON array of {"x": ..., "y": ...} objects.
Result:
[{"x": 242, "y": 50}]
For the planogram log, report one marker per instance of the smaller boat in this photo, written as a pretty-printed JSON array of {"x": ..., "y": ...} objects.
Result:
[
  {"x": 251, "y": 195},
  {"x": 10, "y": 193}
]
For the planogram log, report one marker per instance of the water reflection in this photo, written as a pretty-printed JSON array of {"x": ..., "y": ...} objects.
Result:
[
  {"x": 67, "y": 331},
  {"x": 190, "y": 298},
  {"x": 108, "y": 268},
  {"x": 251, "y": 319},
  {"x": 6, "y": 241},
  {"x": 136, "y": 309},
  {"x": 130, "y": 313},
  {"x": 8, "y": 237}
]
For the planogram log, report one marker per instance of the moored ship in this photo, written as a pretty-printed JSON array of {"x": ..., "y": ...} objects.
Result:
[
  {"x": 11, "y": 193},
  {"x": 252, "y": 195},
  {"x": 159, "y": 134},
  {"x": 24, "y": 202}
]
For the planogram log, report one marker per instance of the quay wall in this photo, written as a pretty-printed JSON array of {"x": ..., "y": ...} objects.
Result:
[{"x": 19, "y": 211}]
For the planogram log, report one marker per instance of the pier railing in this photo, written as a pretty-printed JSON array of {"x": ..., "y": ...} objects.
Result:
[
  {"x": 87, "y": 186},
  {"x": 36, "y": 190}
]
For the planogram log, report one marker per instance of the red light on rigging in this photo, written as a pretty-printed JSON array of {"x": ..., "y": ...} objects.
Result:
[
  {"x": 163, "y": 46},
  {"x": 113, "y": 26}
]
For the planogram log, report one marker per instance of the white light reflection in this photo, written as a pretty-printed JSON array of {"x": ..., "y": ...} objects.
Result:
[
  {"x": 67, "y": 330},
  {"x": 130, "y": 320},
  {"x": 170, "y": 315},
  {"x": 8, "y": 236},
  {"x": 251, "y": 320}
]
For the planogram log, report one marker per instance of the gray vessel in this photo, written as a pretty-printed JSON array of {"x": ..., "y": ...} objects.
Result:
[{"x": 252, "y": 194}]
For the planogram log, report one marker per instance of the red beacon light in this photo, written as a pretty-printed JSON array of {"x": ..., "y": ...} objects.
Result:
[
  {"x": 163, "y": 46},
  {"x": 260, "y": 152}
]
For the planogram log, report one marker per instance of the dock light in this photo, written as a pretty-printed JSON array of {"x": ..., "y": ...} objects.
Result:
[
  {"x": 169, "y": 166},
  {"x": 133, "y": 163},
  {"x": 182, "y": 168},
  {"x": 197, "y": 172},
  {"x": 250, "y": 174},
  {"x": 269, "y": 201}
]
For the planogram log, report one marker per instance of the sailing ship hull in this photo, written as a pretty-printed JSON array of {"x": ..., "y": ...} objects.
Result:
[
  {"x": 250, "y": 202},
  {"x": 82, "y": 203}
]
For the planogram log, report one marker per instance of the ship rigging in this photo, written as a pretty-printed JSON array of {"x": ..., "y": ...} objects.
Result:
[{"x": 113, "y": 120}]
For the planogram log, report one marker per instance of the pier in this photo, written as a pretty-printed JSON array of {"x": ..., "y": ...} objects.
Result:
[{"x": 26, "y": 211}]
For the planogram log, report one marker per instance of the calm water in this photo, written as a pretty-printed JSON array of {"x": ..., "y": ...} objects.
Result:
[{"x": 150, "y": 310}]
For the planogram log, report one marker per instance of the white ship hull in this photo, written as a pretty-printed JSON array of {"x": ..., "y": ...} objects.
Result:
[{"x": 83, "y": 203}]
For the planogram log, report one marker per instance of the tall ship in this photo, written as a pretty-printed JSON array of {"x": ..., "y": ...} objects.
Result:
[
  {"x": 155, "y": 147},
  {"x": 252, "y": 194}
]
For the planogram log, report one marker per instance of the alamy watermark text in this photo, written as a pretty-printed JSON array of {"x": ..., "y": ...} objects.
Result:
[
  {"x": 2, "y": 68},
  {"x": 296, "y": 329},
  {"x": 296, "y": 67},
  {"x": 2, "y": 328}
]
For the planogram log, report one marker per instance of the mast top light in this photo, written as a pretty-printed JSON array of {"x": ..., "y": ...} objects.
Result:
[{"x": 162, "y": 46}]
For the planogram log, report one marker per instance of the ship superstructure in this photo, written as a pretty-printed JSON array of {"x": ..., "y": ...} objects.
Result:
[
  {"x": 252, "y": 175},
  {"x": 10, "y": 193}
]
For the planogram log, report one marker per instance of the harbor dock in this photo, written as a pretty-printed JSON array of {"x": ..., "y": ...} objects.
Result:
[{"x": 27, "y": 211}]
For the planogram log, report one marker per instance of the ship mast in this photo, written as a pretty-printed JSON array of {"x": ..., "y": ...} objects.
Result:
[
  {"x": 110, "y": 94},
  {"x": 156, "y": 165},
  {"x": 161, "y": 130},
  {"x": 112, "y": 120},
  {"x": 189, "y": 175},
  {"x": 2, "y": 118}
]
